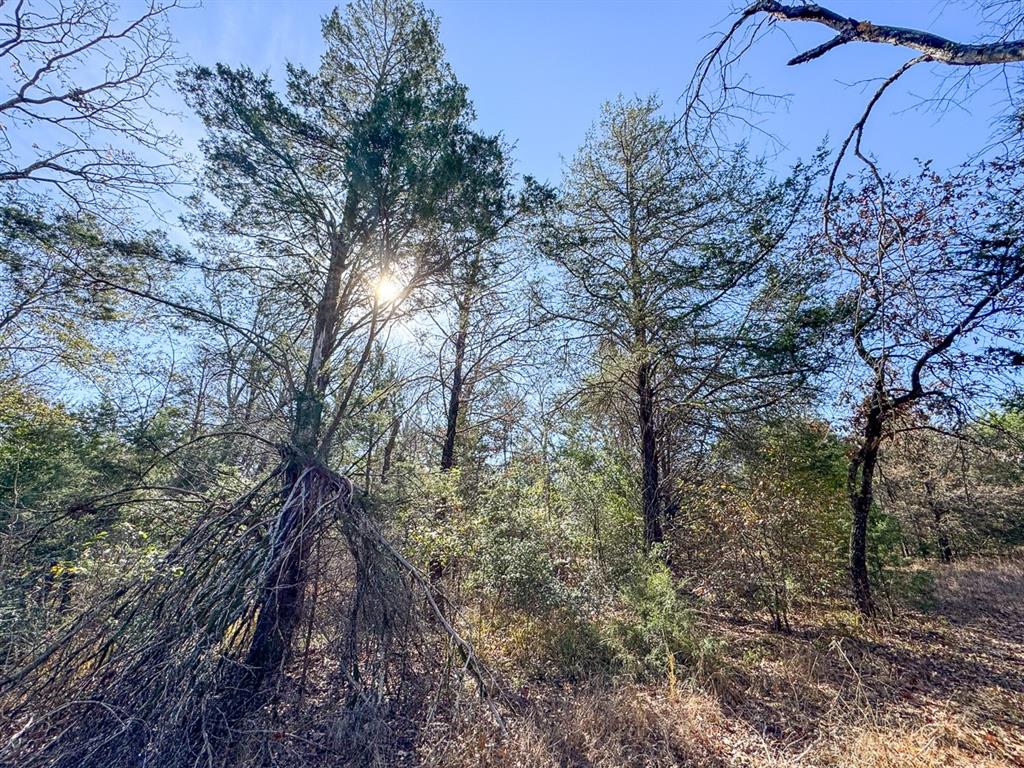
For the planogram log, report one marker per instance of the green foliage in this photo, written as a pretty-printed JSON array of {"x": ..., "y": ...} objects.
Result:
[
  {"x": 63, "y": 279},
  {"x": 886, "y": 559},
  {"x": 517, "y": 566},
  {"x": 893, "y": 571},
  {"x": 85, "y": 497},
  {"x": 40, "y": 449},
  {"x": 575, "y": 647},
  {"x": 594, "y": 490},
  {"x": 555, "y": 563},
  {"x": 643, "y": 630},
  {"x": 684, "y": 277},
  {"x": 380, "y": 132},
  {"x": 652, "y": 632}
]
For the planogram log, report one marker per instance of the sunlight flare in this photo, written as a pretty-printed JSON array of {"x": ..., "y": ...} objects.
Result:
[{"x": 388, "y": 289}]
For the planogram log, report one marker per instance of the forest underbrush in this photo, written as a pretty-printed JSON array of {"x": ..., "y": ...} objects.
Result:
[{"x": 941, "y": 685}]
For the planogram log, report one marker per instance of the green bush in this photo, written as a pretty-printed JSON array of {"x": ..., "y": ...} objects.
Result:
[
  {"x": 652, "y": 632},
  {"x": 577, "y": 649},
  {"x": 516, "y": 565}
]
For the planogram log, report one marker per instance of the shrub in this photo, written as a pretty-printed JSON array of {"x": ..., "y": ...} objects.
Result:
[{"x": 652, "y": 632}]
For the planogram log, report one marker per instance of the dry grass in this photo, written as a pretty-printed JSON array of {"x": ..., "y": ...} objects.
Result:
[
  {"x": 602, "y": 728},
  {"x": 944, "y": 688}
]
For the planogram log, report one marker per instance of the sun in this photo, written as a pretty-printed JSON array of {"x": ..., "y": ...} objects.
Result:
[{"x": 388, "y": 289}]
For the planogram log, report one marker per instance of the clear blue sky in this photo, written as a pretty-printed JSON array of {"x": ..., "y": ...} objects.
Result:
[{"x": 539, "y": 70}]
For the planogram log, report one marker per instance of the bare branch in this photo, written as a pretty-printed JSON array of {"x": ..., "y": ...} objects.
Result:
[{"x": 851, "y": 30}]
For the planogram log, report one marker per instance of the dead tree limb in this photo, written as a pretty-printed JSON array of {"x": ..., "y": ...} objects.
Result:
[{"x": 850, "y": 30}]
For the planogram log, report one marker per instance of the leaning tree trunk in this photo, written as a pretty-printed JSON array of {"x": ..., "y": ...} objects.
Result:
[
  {"x": 861, "y": 489},
  {"x": 283, "y": 587},
  {"x": 296, "y": 527}
]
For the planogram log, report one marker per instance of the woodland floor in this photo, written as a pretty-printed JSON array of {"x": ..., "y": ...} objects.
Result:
[{"x": 940, "y": 687}]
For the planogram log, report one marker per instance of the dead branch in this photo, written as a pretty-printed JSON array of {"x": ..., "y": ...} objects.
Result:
[
  {"x": 171, "y": 666},
  {"x": 850, "y": 30}
]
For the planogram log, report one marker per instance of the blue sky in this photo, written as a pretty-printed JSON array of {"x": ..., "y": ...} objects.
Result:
[{"x": 538, "y": 71}]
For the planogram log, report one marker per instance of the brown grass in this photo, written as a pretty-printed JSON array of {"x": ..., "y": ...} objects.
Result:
[{"x": 943, "y": 688}]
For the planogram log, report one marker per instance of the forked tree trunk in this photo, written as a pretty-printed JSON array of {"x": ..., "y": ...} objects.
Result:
[{"x": 294, "y": 529}]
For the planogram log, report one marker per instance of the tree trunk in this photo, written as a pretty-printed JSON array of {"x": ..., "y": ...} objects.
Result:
[
  {"x": 945, "y": 548},
  {"x": 283, "y": 588},
  {"x": 435, "y": 569},
  {"x": 455, "y": 394},
  {"x": 651, "y": 495},
  {"x": 284, "y": 585},
  {"x": 861, "y": 487}
]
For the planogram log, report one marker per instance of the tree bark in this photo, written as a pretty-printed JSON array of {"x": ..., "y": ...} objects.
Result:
[
  {"x": 851, "y": 30},
  {"x": 651, "y": 496},
  {"x": 455, "y": 394},
  {"x": 283, "y": 588},
  {"x": 861, "y": 488},
  {"x": 453, "y": 410},
  {"x": 284, "y": 585}
]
